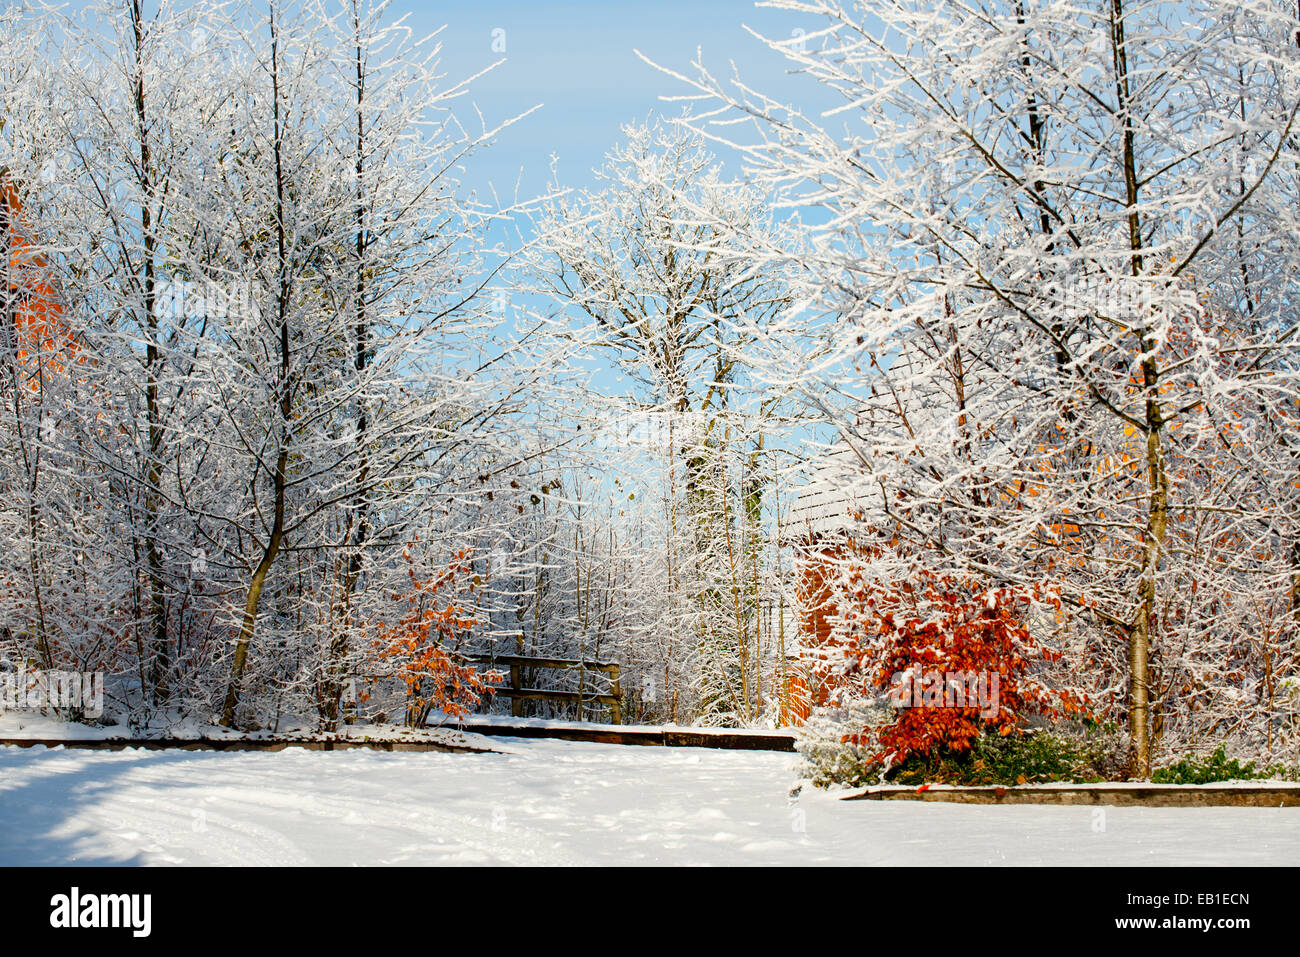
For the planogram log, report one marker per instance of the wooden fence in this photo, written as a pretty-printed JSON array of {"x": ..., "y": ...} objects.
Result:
[{"x": 518, "y": 694}]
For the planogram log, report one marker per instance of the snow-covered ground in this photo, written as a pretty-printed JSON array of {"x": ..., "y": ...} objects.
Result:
[{"x": 556, "y": 802}]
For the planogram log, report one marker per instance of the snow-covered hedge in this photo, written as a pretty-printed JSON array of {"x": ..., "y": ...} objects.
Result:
[{"x": 827, "y": 759}]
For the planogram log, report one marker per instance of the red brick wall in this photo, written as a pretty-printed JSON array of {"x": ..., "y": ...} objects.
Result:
[{"x": 818, "y": 564}]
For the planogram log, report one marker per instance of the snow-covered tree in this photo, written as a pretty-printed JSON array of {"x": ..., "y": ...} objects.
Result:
[
  {"x": 1054, "y": 265},
  {"x": 648, "y": 272}
]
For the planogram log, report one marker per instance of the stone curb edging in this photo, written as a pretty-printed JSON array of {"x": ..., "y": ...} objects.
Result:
[
  {"x": 654, "y": 737},
  {"x": 1139, "y": 795},
  {"x": 241, "y": 744},
  {"x": 611, "y": 734}
]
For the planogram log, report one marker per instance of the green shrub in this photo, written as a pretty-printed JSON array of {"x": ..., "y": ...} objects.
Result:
[
  {"x": 1081, "y": 756},
  {"x": 1207, "y": 770},
  {"x": 1034, "y": 757},
  {"x": 1286, "y": 772},
  {"x": 1031, "y": 757}
]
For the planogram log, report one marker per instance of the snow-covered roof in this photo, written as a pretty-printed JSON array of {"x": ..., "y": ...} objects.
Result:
[
  {"x": 825, "y": 505},
  {"x": 841, "y": 485}
]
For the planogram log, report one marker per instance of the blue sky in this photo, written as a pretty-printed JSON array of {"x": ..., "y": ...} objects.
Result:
[{"x": 577, "y": 59}]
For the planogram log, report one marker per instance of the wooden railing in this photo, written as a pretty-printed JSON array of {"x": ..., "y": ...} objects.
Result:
[{"x": 518, "y": 694}]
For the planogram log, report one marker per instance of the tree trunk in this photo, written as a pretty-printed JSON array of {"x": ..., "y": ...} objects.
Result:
[
  {"x": 280, "y": 481},
  {"x": 1141, "y": 634},
  {"x": 359, "y": 510},
  {"x": 159, "y": 650},
  {"x": 252, "y": 601}
]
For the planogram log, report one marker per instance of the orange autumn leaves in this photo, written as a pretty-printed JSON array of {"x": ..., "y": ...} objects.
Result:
[
  {"x": 35, "y": 329},
  {"x": 940, "y": 625},
  {"x": 438, "y": 611}
]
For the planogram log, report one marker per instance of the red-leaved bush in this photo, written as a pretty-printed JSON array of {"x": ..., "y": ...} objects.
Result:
[{"x": 889, "y": 635}]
